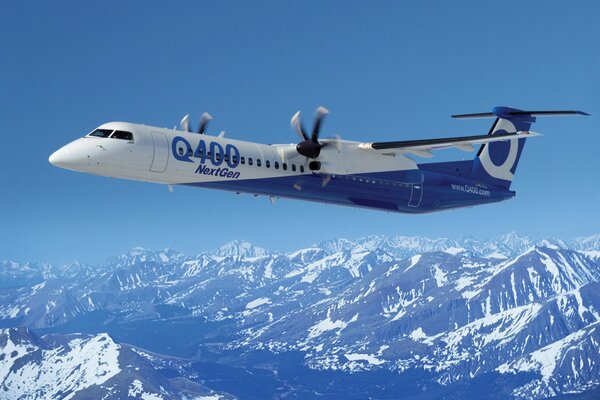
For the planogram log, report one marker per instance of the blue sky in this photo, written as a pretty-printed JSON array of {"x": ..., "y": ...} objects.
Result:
[{"x": 385, "y": 70}]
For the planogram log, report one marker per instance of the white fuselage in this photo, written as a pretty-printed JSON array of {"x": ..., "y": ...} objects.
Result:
[{"x": 163, "y": 156}]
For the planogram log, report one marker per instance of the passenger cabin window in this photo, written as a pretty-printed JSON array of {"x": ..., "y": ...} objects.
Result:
[
  {"x": 276, "y": 164},
  {"x": 249, "y": 160},
  {"x": 268, "y": 164},
  {"x": 293, "y": 167},
  {"x": 243, "y": 160},
  {"x": 123, "y": 135},
  {"x": 258, "y": 163},
  {"x": 285, "y": 166},
  {"x": 302, "y": 168},
  {"x": 103, "y": 133}
]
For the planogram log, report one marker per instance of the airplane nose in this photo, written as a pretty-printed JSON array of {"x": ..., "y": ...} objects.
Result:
[
  {"x": 67, "y": 157},
  {"x": 54, "y": 158}
]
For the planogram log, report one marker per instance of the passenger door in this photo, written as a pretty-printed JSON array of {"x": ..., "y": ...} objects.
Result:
[
  {"x": 416, "y": 195},
  {"x": 161, "y": 152}
]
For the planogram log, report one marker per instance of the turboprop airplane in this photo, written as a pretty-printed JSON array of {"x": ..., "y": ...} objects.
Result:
[{"x": 379, "y": 175}]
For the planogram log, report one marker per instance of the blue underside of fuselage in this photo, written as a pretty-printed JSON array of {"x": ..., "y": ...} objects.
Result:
[{"x": 397, "y": 191}]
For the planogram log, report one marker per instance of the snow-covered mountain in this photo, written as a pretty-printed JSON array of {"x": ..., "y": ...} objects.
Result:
[
  {"x": 84, "y": 367},
  {"x": 518, "y": 315}
]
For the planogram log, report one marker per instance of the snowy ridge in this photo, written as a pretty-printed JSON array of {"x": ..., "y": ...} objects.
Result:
[
  {"x": 80, "y": 364},
  {"x": 82, "y": 367}
]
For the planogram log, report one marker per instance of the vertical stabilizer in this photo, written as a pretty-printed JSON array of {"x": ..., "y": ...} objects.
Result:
[{"x": 496, "y": 162}]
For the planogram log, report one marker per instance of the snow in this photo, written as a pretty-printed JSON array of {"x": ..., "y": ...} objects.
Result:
[
  {"x": 592, "y": 254},
  {"x": 464, "y": 282},
  {"x": 552, "y": 269},
  {"x": 370, "y": 358},
  {"x": 582, "y": 309},
  {"x": 325, "y": 325},
  {"x": 497, "y": 328},
  {"x": 258, "y": 302},
  {"x": 81, "y": 364},
  {"x": 37, "y": 288},
  {"x": 269, "y": 270},
  {"x": 136, "y": 390},
  {"x": 294, "y": 273},
  {"x": 414, "y": 260},
  {"x": 496, "y": 255},
  {"x": 439, "y": 275},
  {"x": 418, "y": 334},
  {"x": 545, "y": 359},
  {"x": 454, "y": 250},
  {"x": 310, "y": 277},
  {"x": 513, "y": 287}
]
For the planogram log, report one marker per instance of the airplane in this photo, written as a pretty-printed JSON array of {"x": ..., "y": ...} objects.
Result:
[{"x": 378, "y": 175}]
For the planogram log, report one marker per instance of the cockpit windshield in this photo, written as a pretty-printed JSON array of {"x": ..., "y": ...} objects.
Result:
[
  {"x": 124, "y": 135},
  {"x": 103, "y": 133}
]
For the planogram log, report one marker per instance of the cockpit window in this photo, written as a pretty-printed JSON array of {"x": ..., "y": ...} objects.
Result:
[
  {"x": 103, "y": 133},
  {"x": 122, "y": 135}
]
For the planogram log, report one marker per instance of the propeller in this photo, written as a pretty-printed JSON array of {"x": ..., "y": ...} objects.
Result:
[
  {"x": 309, "y": 147},
  {"x": 202, "y": 124}
]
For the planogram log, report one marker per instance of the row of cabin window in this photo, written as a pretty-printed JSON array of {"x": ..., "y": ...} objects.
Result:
[
  {"x": 251, "y": 162},
  {"x": 284, "y": 166}
]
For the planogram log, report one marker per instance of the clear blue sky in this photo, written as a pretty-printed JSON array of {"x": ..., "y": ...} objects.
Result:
[{"x": 386, "y": 71}]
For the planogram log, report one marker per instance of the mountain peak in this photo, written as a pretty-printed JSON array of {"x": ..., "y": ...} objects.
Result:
[{"x": 240, "y": 249}]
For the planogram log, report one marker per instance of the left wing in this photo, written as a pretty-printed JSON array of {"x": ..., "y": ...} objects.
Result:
[{"x": 422, "y": 148}]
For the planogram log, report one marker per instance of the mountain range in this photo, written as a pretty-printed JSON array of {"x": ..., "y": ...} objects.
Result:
[{"x": 378, "y": 317}]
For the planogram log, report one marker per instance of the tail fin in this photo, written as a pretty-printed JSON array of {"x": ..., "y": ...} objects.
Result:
[{"x": 496, "y": 162}]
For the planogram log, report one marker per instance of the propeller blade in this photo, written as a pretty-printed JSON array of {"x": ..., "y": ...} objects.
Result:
[
  {"x": 338, "y": 143},
  {"x": 319, "y": 115},
  {"x": 204, "y": 120},
  {"x": 296, "y": 123},
  {"x": 326, "y": 179},
  {"x": 185, "y": 123}
]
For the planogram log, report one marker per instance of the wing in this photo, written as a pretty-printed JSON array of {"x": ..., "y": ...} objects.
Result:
[{"x": 422, "y": 148}]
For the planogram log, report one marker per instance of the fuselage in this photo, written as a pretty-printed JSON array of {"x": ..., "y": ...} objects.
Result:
[{"x": 343, "y": 174}]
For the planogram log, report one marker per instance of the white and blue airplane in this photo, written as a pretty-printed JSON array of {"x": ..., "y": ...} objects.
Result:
[{"x": 380, "y": 175}]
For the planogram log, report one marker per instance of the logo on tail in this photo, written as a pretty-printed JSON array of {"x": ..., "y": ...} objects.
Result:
[{"x": 499, "y": 158}]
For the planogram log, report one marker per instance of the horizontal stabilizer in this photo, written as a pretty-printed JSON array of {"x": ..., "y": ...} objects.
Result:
[{"x": 503, "y": 112}]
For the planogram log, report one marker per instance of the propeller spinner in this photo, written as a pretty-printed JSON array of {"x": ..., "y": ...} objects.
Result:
[{"x": 310, "y": 147}]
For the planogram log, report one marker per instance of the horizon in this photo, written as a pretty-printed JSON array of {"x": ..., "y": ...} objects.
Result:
[{"x": 536, "y": 242}]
